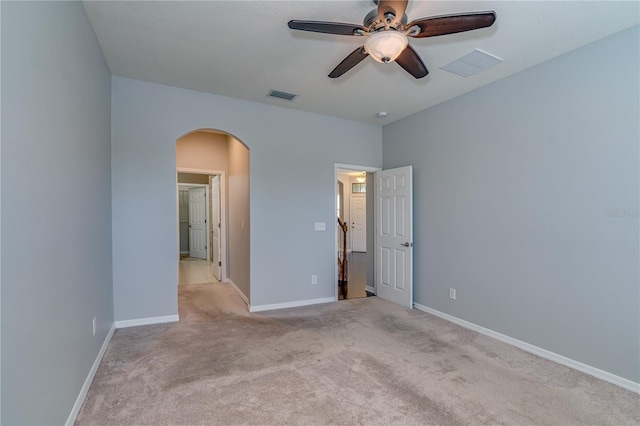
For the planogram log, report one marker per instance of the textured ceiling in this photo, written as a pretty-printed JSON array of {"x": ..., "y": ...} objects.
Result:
[{"x": 242, "y": 49}]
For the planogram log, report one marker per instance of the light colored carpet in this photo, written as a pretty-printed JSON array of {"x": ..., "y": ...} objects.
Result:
[{"x": 364, "y": 361}]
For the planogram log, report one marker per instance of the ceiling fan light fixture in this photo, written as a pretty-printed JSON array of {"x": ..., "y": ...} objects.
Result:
[
  {"x": 386, "y": 35},
  {"x": 385, "y": 46}
]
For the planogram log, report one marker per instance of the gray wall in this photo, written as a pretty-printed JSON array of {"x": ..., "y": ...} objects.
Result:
[
  {"x": 513, "y": 185},
  {"x": 56, "y": 208},
  {"x": 147, "y": 119}
]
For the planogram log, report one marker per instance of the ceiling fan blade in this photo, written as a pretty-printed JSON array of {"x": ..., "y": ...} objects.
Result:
[
  {"x": 349, "y": 62},
  {"x": 327, "y": 27},
  {"x": 396, "y": 7},
  {"x": 411, "y": 62},
  {"x": 450, "y": 24}
]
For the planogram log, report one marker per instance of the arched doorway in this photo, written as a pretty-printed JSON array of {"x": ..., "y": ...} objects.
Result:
[{"x": 218, "y": 162}]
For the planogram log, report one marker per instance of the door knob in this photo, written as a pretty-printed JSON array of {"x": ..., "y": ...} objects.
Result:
[{"x": 407, "y": 244}]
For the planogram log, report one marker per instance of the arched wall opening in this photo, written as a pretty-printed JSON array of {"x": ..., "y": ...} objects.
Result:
[{"x": 207, "y": 153}]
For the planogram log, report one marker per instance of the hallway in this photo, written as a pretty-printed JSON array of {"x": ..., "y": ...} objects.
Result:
[{"x": 195, "y": 271}]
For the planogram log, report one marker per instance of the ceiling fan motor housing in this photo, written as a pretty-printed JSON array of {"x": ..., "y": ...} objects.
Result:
[{"x": 373, "y": 22}]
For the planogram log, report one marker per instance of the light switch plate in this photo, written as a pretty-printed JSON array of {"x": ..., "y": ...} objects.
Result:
[{"x": 320, "y": 226}]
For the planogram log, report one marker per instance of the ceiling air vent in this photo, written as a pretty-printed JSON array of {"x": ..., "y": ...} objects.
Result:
[
  {"x": 281, "y": 95},
  {"x": 472, "y": 63}
]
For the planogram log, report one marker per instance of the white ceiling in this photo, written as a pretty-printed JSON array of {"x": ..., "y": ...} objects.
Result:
[{"x": 242, "y": 49}]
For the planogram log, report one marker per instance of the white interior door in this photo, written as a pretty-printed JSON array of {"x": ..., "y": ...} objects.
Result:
[
  {"x": 394, "y": 235},
  {"x": 197, "y": 223},
  {"x": 358, "y": 217},
  {"x": 215, "y": 225}
]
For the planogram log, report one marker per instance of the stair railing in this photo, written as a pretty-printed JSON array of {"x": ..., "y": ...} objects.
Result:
[{"x": 343, "y": 264}]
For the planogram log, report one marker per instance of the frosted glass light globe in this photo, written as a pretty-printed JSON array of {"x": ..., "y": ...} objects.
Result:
[{"x": 385, "y": 46}]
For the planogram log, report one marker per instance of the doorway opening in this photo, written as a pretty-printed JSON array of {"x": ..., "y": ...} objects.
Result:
[
  {"x": 355, "y": 265},
  {"x": 193, "y": 211},
  {"x": 198, "y": 222},
  {"x": 212, "y": 185}
]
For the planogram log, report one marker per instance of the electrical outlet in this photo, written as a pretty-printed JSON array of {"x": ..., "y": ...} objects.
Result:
[
  {"x": 452, "y": 293},
  {"x": 314, "y": 279},
  {"x": 95, "y": 325}
]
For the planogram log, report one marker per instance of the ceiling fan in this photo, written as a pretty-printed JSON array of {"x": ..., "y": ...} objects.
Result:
[{"x": 387, "y": 30}]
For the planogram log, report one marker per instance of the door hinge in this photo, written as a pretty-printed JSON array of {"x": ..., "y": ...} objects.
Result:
[
  {"x": 218, "y": 224},
  {"x": 220, "y": 263},
  {"x": 205, "y": 221}
]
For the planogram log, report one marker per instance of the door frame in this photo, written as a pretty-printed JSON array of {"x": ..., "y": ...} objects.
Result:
[
  {"x": 206, "y": 211},
  {"x": 349, "y": 167},
  {"x": 223, "y": 214},
  {"x": 213, "y": 225}
]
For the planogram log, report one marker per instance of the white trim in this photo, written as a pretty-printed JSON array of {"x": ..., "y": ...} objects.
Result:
[
  {"x": 87, "y": 383},
  {"x": 543, "y": 353},
  {"x": 237, "y": 290},
  {"x": 193, "y": 185},
  {"x": 184, "y": 252},
  {"x": 286, "y": 305},
  {"x": 198, "y": 171},
  {"x": 147, "y": 321},
  {"x": 222, "y": 221},
  {"x": 336, "y": 167},
  {"x": 207, "y": 196},
  {"x": 223, "y": 225},
  {"x": 370, "y": 169},
  {"x": 223, "y": 213},
  {"x": 370, "y": 289}
]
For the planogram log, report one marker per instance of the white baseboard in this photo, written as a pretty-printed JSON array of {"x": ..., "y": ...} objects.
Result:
[
  {"x": 237, "y": 290},
  {"x": 543, "y": 353},
  {"x": 370, "y": 289},
  {"x": 147, "y": 321},
  {"x": 87, "y": 383},
  {"x": 259, "y": 308}
]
